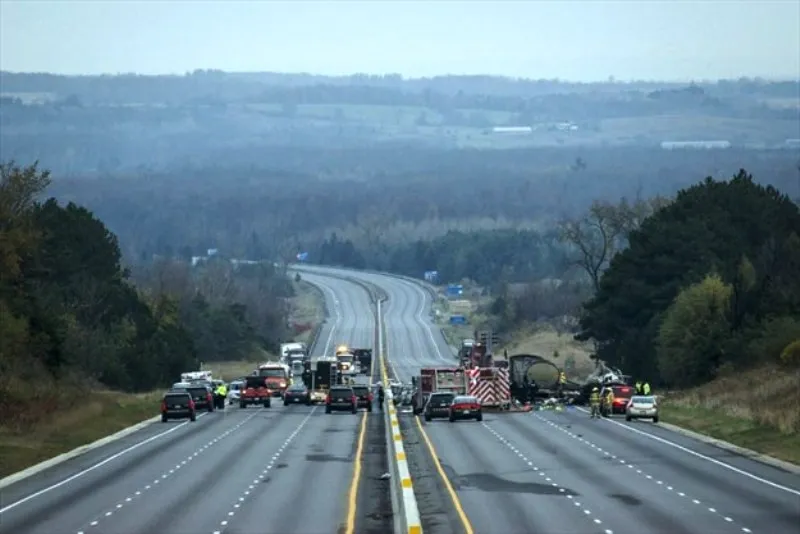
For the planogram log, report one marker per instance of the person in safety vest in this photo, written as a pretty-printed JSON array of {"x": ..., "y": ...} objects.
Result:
[
  {"x": 646, "y": 388},
  {"x": 220, "y": 393},
  {"x": 594, "y": 402},
  {"x": 639, "y": 387},
  {"x": 609, "y": 401}
]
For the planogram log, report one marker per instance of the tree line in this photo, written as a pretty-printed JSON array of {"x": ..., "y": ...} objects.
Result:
[
  {"x": 704, "y": 284},
  {"x": 72, "y": 318},
  {"x": 399, "y": 195}
]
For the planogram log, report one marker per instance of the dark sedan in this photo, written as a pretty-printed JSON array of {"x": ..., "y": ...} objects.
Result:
[
  {"x": 296, "y": 394},
  {"x": 438, "y": 405}
]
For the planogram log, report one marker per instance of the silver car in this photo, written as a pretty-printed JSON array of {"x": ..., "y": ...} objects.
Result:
[
  {"x": 235, "y": 391},
  {"x": 642, "y": 406}
]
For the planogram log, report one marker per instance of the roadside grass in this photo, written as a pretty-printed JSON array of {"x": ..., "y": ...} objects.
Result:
[
  {"x": 757, "y": 409},
  {"x": 92, "y": 416},
  {"x": 308, "y": 310},
  {"x": 560, "y": 348}
]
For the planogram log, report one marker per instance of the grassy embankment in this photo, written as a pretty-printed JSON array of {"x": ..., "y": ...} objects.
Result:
[
  {"x": 76, "y": 420},
  {"x": 756, "y": 410}
]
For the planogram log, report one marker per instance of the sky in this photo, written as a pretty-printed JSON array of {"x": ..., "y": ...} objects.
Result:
[{"x": 570, "y": 40}]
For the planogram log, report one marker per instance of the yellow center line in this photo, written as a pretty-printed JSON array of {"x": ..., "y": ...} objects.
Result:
[
  {"x": 453, "y": 495},
  {"x": 352, "y": 501}
]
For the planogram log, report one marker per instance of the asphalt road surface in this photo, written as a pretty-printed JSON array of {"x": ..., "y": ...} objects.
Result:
[
  {"x": 560, "y": 472},
  {"x": 254, "y": 470}
]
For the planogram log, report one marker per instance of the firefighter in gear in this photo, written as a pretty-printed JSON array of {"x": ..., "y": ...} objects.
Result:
[
  {"x": 594, "y": 403},
  {"x": 220, "y": 394},
  {"x": 646, "y": 388},
  {"x": 609, "y": 407}
]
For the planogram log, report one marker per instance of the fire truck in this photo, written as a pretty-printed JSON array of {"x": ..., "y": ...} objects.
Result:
[
  {"x": 319, "y": 375},
  {"x": 437, "y": 379}
]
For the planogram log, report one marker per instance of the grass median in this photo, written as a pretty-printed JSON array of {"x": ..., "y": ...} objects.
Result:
[{"x": 94, "y": 415}]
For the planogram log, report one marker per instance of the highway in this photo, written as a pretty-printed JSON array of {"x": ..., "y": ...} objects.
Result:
[
  {"x": 560, "y": 472},
  {"x": 257, "y": 470}
]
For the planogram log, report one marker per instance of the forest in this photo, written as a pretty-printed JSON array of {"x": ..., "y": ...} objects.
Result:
[{"x": 74, "y": 318}]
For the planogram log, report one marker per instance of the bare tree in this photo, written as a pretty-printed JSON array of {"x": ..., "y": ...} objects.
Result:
[
  {"x": 603, "y": 231},
  {"x": 216, "y": 282}
]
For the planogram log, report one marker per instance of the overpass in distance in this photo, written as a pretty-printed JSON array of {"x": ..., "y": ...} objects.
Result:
[{"x": 296, "y": 469}]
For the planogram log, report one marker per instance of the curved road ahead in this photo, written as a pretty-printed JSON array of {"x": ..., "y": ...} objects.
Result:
[
  {"x": 276, "y": 470},
  {"x": 561, "y": 472}
]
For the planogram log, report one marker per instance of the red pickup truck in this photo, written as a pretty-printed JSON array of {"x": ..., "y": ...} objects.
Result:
[{"x": 255, "y": 391}]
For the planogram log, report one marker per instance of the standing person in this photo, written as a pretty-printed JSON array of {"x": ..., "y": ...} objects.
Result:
[
  {"x": 220, "y": 394},
  {"x": 646, "y": 388},
  {"x": 594, "y": 402},
  {"x": 381, "y": 396},
  {"x": 639, "y": 387}
]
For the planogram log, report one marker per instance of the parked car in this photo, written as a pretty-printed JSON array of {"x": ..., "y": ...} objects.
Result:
[
  {"x": 465, "y": 407},
  {"x": 341, "y": 398},
  {"x": 296, "y": 394},
  {"x": 438, "y": 406},
  {"x": 642, "y": 406},
  {"x": 178, "y": 405}
]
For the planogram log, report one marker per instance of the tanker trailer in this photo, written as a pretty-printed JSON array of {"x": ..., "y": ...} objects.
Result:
[{"x": 530, "y": 369}]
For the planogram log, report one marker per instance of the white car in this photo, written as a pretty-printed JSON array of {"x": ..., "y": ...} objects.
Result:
[
  {"x": 642, "y": 406},
  {"x": 235, "y": 391}
]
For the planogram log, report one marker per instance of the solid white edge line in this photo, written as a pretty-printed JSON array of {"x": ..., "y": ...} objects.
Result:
[
  {"x": 92, "y": 468},
  {"x": 22, "y": 475},
  {"x": 653, "y": 437},
  {"x": 704, "y": 457}
]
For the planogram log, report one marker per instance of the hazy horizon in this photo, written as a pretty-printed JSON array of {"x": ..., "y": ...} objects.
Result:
[{"x": 569, "y": 41}]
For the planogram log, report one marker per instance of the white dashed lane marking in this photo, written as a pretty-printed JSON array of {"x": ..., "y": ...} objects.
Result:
[
  {"x": 260, "y": 478},
  {"x": 638, "y": 471},
  {"x": 156, "y": 481},
  {"x": 586, "y": 512}
]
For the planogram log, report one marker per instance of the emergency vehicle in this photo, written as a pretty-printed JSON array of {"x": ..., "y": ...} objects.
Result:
[
  {"x": 196, "y": 375},
  {"x": 437, "y": 380},
  {"x": 319, "y": 375}
]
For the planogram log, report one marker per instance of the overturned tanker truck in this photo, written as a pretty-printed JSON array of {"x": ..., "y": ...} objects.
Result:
[{"x": 536, "y": 377}]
